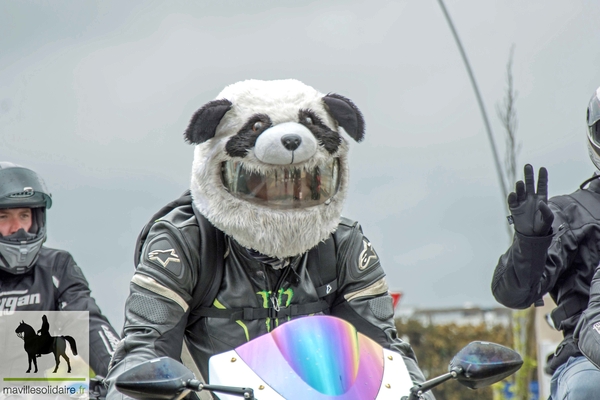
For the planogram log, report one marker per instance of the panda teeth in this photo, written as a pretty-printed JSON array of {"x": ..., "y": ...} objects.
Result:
[{"x": 282, "y": 187}]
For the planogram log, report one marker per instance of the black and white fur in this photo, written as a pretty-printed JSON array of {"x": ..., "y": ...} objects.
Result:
[{"x": 267, "y": 125}]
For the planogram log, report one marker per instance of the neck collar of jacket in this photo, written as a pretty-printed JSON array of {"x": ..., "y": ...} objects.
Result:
[{"x": 594, "y": 182}]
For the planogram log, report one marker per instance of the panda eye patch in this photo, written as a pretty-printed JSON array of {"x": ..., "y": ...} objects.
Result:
[
  {"x": 308, "y": 117},
  {"x": 257, "y": 126}
]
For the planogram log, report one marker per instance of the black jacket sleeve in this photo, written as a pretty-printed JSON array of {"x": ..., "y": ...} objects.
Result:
[
  {"x": 157, "y": 308},
  {"x": 532, "y": 265},
  {"x": 73, "y": 294},
  {"x": 587, "y": 332},
  {"x": 363, "y": 298}
]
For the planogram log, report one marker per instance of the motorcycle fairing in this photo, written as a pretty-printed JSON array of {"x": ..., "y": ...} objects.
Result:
[{"x": 318, "y": 357}]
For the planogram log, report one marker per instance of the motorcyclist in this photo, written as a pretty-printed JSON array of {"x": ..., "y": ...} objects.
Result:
[
  {"x": 48, "y": 275},
  {"x": 556, "y": 250},
  {"x": 293, "y": 208},
  {"x": 588, "y": 330}
]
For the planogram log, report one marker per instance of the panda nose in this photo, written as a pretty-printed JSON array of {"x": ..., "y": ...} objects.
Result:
[{"x": 291, "y": 141}]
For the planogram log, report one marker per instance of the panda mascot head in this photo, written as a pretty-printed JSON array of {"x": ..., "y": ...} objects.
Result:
[{"x": 271, "y": 163}]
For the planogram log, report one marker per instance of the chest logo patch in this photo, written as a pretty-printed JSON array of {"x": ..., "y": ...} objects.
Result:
[
  {"x": 597, "y": 327},
  {"x": 10, "y": 301},
  {"x": 164, "y": 257},
  {"x": 367, "y": 256}
]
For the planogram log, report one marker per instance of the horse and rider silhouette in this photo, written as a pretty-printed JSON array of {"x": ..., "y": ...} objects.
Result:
[{"x": 42, "y": 342}]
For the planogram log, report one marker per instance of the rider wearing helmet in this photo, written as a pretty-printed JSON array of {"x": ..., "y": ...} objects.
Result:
[
  {"x": 588, "y": 330},
  {"x": 593, "y": 121},
  {"x": 51, "y": 277},
  {"x": 24, "y": 199},
  {"x": 259, "y": 238},
  {"x": 556, "y": 250}
]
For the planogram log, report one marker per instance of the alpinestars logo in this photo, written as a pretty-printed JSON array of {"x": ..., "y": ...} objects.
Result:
[
  {"x": 164, "y": 257},
  {"x": 366, "y": 255},
  {"x": 597, "y": 327}
]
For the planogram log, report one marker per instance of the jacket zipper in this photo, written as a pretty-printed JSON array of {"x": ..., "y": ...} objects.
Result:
[{"x": 275, "y": 291}]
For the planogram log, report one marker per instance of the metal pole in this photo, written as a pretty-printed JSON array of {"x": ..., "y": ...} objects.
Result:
[{"x": 479, "y": 100}]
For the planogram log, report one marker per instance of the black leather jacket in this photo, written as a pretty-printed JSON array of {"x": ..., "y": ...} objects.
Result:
[
  {"x": 56, "y": 283},
  {"x": 157, "y": 309},
  {"x": 562, "y": 263}
]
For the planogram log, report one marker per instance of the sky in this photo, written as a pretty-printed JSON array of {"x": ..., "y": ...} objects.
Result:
[{"x": 95, "y": 96}]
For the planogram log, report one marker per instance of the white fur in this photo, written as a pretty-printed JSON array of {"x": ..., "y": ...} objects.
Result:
[
  {"x": 270, "y": 149},
  {"x": 280, "y": 100},
  {"x": 277, "y": 233}
]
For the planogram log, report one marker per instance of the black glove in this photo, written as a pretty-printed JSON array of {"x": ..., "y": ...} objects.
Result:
[
  {"x": 530, "y": 212},
  {"x": 97, "y": 389},
  {"x": 565, "y": 350}
]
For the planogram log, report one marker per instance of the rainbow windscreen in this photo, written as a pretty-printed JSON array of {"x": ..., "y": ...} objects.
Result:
[{"x": 318, "y": 357}]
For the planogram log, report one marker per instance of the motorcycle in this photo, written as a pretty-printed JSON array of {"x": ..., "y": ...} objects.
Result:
[{"x": 318, "y": 357}]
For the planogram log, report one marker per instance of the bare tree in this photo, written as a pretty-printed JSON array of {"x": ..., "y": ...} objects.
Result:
[
  {"x": 508, "y": 116},
  {"x": 511, "y": 118},
  {"x": 523, "y": 320}
]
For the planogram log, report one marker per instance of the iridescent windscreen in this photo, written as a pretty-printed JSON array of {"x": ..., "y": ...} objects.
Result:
[{"x": 319, "y": 355}]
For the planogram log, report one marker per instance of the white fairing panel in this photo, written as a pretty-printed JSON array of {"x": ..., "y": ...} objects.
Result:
[
  {"x": 396, "y": 376},
  {"x": 228, "y": 369}
]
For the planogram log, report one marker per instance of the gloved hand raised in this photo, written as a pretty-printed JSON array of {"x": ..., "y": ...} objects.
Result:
[{"x": 530, "y": 212}]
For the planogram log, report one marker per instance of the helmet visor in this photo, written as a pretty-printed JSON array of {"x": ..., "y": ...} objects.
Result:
[
  {"x": 593, "y": 120},
  {"x": 594, "y": 134},
  {"x": 594, "y": 109},
  {"x": 21, "y": 187},
  {"x": 284, "y": 187}
]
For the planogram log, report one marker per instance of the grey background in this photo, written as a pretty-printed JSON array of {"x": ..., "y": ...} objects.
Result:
[{"x": 95, "y": 96}]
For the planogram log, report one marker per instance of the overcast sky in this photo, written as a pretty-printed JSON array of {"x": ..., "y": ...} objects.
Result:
[{"x": 95, "y": 95}]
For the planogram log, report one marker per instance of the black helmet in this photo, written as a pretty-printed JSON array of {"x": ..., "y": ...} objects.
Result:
[
  {"x": 593, "y": 122},
  {"x": 21, "y": 187}
]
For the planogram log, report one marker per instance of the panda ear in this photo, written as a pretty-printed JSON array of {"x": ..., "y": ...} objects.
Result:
[
  {"x": 348, "y": 116},
  {"x": 204, "y": 122}
]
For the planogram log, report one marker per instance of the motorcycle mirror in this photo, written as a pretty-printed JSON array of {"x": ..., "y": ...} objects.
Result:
[
  {"x": 160, "y": 378},
  {"x": 481, "y": 364}
]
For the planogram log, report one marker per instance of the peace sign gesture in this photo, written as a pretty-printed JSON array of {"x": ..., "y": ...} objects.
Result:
[{"x": 530, "y": 212}]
